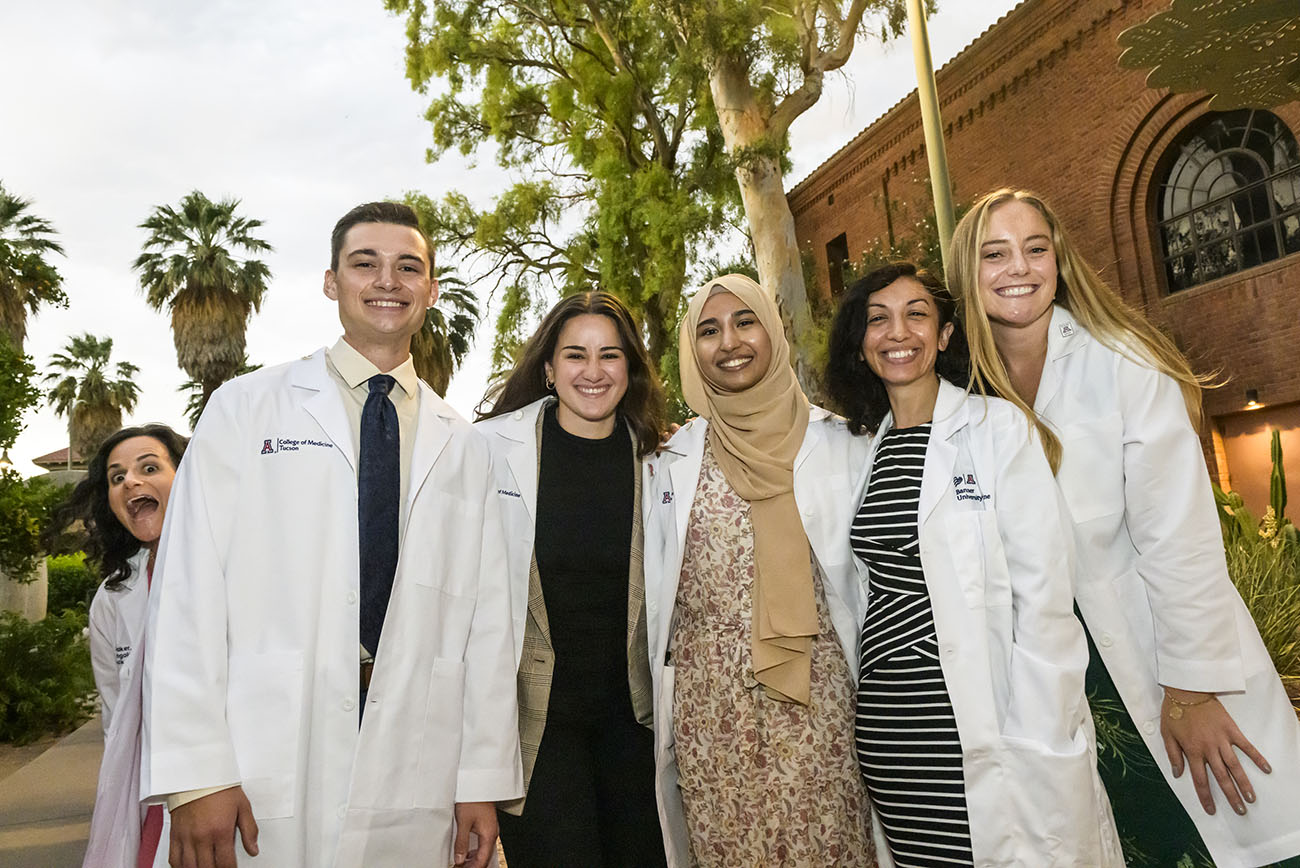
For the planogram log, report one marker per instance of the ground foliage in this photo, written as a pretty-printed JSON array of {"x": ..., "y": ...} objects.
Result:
[{"x": 46, "y": 683}]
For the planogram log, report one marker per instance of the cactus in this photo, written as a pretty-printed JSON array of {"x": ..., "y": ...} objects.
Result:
[{"x": 1277, "y": 481}]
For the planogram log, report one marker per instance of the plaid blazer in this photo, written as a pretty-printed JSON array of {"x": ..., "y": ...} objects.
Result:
[{"x": 537, "y": 662}]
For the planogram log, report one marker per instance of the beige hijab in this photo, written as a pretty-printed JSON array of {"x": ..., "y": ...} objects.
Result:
[{"x": 755, "y": 436}]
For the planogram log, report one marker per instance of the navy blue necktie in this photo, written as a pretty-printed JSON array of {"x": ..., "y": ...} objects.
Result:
[{"x": 378, "y": 502}]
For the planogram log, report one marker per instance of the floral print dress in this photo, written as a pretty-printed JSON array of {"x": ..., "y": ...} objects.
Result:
[{"x": 764, "y": 782}]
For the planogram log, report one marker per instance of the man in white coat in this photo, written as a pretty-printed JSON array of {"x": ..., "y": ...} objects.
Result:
[{"x": 333, "y": 546}]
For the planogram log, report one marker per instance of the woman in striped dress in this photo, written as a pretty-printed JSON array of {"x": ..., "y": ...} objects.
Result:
[{"x": 971, "y": 726}]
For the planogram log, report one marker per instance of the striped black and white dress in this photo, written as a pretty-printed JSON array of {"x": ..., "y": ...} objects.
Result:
[{"x": 906, "y": 733}]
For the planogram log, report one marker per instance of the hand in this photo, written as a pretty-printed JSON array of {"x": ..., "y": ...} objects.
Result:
[
  {"x": 480, "y": 819},
  {"x": 1206, "y": 735},
  {"x": 203, "y": 831}
]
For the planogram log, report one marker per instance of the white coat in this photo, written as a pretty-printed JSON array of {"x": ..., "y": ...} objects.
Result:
[
  {"x": 252, "y": 664},
  {"x": 824, "y": 469},
  {"x": 117, "y": 619},
  {"x": 1153, "y": 584},
  {"x": 996, "y": 553}
]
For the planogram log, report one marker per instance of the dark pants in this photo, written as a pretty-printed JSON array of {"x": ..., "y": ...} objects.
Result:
[{"x": 591, "y": 800}]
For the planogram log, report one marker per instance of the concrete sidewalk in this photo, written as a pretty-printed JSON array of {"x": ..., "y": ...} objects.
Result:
[{"x": 45, "y": 806}]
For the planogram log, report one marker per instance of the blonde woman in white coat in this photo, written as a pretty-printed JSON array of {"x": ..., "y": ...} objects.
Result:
[
  {"x": 122, "y": 502},
  {"x": 1184, "y": 655},
  {"x": 752, "y": 604},
  {"x": 973, "y": 733},
  {"x": 572, "y": 421}
]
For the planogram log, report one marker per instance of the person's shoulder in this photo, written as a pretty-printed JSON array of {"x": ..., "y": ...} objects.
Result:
[{"x": 523, "y": 418}]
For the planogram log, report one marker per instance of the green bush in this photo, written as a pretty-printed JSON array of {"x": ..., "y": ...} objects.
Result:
[
  {"x": 26, "y": 508},
  {"x": 72, "y": 583},
  {"x": 46, "y": 683}
]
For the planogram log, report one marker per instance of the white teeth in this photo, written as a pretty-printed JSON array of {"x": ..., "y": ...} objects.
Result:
[
  {"x": 732, "y": 364},
  {"x": 1015, "y": 291},
  {"x": 900, "y": 354},
  {"x": 381, "y": 303}
]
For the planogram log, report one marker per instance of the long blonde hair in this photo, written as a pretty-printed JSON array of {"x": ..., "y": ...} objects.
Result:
[{"x": 1081, "y": 291}]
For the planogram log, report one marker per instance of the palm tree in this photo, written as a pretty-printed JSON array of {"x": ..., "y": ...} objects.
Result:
[
  {"x": 92, "y": 402},
  {"x": 194, "y": 402},
  {"x": 441, "y": 344},
  {"x": 27, "y": 279},
  {"x": 189, "y": 265}
]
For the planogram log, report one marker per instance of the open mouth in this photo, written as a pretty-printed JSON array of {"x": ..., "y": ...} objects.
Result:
[
  {"x": 387, "y": 302},
  {"x": 141, "y": 506},
  {"x": 591, "y": 391},
  {"x": 902, "y": 355},
  {"x": 1015, "y": 291},
  {"x": 735, "y": 364}
]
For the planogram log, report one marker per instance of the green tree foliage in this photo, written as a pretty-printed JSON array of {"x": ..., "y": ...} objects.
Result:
[
  {"x": 766, "y": 62},
  {"x": 46, "y": 683},
  {"x": 191, "y": 266},
  {"x": 441, "y": 344},
  {"x": 72, "y": 583},
  {"x": 27, "y": 279},
  {"x": 622, "y": 178},
  {"x": 90, "y": 395},
  {"x": 18, "y": 391},
  {"x": 26, "y": 510}
]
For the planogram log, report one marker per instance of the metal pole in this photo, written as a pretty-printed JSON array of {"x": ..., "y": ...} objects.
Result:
[{"x": 931, "y": 121}]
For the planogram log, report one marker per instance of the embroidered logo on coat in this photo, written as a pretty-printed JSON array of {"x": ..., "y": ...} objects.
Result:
[
  {"x": 668, "y": 497},
  {"x": 267, "y": 448},
  {"x": 292, "y": 444},
  {"x": 1066, "y": 330}
]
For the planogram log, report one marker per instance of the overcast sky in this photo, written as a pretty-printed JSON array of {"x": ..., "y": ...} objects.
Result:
[{"x": 300, "y": 109}]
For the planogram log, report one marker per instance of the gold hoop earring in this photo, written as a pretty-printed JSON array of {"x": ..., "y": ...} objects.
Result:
[{"x": 550, "y": 385}]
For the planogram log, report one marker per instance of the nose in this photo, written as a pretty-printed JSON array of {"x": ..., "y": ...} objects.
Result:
[
  {"x": 727, "y": 338},
  {"x": 897, "y": 329},
  {"x": 1017, "y": 263},
  {"x": 386, "y": 278}
]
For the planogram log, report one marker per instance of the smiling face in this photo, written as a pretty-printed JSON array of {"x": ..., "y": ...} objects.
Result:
[
  {"x": 1017, "y": 279},
  {"x": 383, "y": 286},
  {"x": 733, "y": 349},
  {"x": 589, "y": 368},
  {"x": 903, "y": 336},
  {"x": 140, "y": 475}
]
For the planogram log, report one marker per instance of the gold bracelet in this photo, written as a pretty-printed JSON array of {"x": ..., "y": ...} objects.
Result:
[{"x": 1177, "y": 705}]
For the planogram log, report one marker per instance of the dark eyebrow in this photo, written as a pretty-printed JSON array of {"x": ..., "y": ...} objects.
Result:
[
  {"x": 362, "y": 251},
  {"x": 713, "y": 320}
]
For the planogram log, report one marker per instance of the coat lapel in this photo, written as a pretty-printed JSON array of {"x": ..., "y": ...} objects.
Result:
[
  {"x": 431, "y": 435},
  {"x": 950, "y": 415},
  {"x": 324, "y": 404}
]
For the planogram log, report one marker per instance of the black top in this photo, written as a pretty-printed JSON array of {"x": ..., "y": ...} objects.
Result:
[{"x": 583, "y": 545}]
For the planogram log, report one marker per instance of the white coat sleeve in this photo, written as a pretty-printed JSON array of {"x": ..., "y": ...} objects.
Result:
[
  {"x": 1049, "y": 654},
  {"x": 103, "y": 653},
  {"x": 1171, "y": 519},
  {"x": 186, "y": 741},
  {"x": 489, "y": 768}
]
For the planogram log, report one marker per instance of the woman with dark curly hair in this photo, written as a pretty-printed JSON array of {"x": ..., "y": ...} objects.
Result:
[
  {"x": 122, "y": 501},
  {"x": 972, "y": 729}
]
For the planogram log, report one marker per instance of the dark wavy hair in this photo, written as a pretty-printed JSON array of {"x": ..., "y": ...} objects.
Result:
[
  {"x": 111, "y": 544},
  {"x": 854, "y": 388},
  {"x": 642, "y": 406}
]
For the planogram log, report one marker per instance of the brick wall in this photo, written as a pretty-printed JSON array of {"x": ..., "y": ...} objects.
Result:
[{"x": 1039, "y": 101}]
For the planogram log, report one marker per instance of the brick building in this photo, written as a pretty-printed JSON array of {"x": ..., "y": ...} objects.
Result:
[{"x": 1192, "y": 214}]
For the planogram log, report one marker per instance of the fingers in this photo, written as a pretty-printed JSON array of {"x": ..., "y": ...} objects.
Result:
[
  {"x": 1221, "y": 774},
  {"x": 1251, "y": 751},
  {"x": 1201, "y": 781},
  {"x": 247, "y": 826},
  {"x": 1240, "y": 782},
  {"x": 1173, "y": 750},
  {"x": 461, "y": 848}
]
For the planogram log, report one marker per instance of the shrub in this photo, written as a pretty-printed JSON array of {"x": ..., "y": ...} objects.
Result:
[
  {"x": 26, "y": 508},
  {"x": 72, "y": 583},
  {"x": 46, "y": 683}
]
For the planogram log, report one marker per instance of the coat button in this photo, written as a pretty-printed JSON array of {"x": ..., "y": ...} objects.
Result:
[
  {"x": 1106, "y": 640},
  {"x": 1149, "y": 727},
  {"x": 349, "y": 705},
  {"x": 519, "y": 414},
  {"x": 352, "y": 597}
]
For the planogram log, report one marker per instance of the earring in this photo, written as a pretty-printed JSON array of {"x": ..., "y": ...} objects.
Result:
[{"x": 550, "y": 385}]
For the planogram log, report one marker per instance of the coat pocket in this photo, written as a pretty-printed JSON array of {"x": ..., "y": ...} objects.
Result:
[
  {"x": 264, "y": 713},
  {"x": 440, "y": 742},
  {"x": 1052, "y": 800}
]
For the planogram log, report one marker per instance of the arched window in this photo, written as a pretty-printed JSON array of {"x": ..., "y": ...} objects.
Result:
[{"x": 1231, "y": 197}]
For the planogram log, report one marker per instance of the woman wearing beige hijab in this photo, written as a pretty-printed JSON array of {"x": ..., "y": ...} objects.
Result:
[{"x": 751, "y": 604}]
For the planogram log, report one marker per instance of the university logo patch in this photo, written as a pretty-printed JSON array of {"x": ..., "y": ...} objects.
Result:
[
  {"x": 1066, "y": 329},
  {"x": 970, "y": 479},
  {"x": 668, "y": 497},
  {"x": 267, "y": 448}
]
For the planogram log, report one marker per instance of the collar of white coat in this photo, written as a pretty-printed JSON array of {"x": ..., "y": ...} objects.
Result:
[
  {"x": 690, "y": 437},
  {"x": 519, "y": 426},
  {"x": 951, "y": 414},
  {"x": 1064, "y": 335},
  {"x": 310, "y": 372}
]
